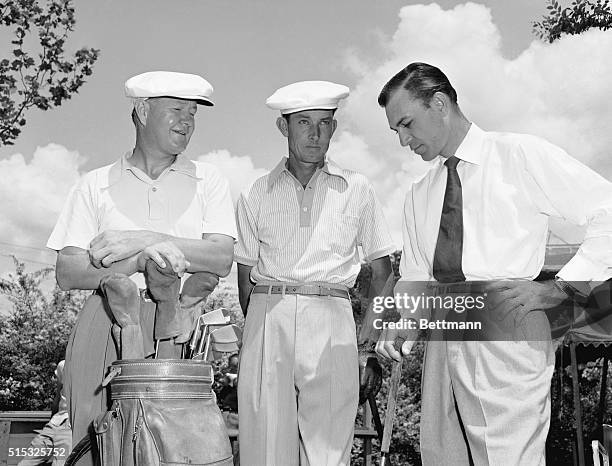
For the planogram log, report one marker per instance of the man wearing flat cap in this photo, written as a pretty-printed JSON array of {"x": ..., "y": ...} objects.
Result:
[
  {"x": 153, "y": 215},
  {"x": 299, "y": 229}
]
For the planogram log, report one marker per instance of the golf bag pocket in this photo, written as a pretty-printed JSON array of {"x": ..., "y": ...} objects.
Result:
[{"x": 109, "y": 432}]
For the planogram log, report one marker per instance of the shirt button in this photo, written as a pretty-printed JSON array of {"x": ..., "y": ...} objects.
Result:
[
  {"x": 299, "y": 188},
  {"x": 305, "y": 209},
  {"x": 153, "y": 189}
]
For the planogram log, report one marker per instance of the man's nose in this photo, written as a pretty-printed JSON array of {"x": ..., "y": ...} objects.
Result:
[
  {"x": 404, "y": 138},
  {"x": 187, "y": 118},
  {"x": 315, "y": 133}
]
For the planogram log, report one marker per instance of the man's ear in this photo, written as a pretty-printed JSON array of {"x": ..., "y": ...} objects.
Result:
[
  {"x": 142, "y": 108},
  {"x": 282, "y": 125},
  {"x": 441, "y": 102},
  {"x": 334, "y": 125}
]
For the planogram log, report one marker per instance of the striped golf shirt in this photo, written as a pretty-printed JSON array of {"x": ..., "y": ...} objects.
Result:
[{"x": 299, "y": 235}]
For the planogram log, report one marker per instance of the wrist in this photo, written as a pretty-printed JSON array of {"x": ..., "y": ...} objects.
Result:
[
  {"x": 152, "y": 237},
  {"x": 140, "y": 262},
  {"x": 568, "y": 291}
]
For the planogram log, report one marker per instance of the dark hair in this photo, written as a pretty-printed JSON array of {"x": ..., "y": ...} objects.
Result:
[{"x": 421, "y": 80}]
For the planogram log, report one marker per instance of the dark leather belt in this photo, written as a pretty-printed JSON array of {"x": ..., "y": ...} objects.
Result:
[{"x": 307, "y": 290}]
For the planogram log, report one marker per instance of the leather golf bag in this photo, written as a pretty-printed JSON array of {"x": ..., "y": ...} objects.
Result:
[{"x": 163, "y": 412}]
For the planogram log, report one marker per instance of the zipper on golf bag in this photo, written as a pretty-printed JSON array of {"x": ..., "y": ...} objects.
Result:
[
  {"x": 136, "y": 435},
  {"x": 109, "y": 428}
]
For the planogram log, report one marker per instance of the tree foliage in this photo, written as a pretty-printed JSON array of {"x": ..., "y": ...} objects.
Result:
[
  {"x": 580, "y": 16},
  {"x": 33, "y": 338},
  {"x": 226, "y": 295},
  {"x": 36, "y": 72},
  {"x": 562, "y": 434}
]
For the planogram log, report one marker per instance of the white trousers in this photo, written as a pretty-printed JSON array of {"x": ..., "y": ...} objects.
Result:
[
  {"x": 298, "y": 384},
  {"x": 487, "y": 400}
]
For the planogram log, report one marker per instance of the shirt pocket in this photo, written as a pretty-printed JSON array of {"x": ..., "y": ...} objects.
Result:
[
  {"x": 343, "y": 233},
  {"x": 277, "y": 228}
]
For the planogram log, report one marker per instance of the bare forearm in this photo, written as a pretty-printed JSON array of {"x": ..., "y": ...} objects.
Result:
[
  {"x": 245, "y": 286},
  {"x": 213, "y": 255},
  {"x": 381, "y": 286},
  {"x": 381, "y": 270},
  {"x": 74, "y": 271}
]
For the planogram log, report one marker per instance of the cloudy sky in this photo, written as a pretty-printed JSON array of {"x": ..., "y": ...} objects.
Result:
[{"x": 506, "y": 79}]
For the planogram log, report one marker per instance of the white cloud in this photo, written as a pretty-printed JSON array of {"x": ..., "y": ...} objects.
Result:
[
  {"x": 239, "y": 170},
  {"x": 33, "y": 193},
  {"x": 558, "y": 91},
  {"x": 350, "y": 150}
]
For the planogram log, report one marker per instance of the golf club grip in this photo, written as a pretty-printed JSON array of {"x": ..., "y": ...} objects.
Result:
[{"x": 396, "y": 375}]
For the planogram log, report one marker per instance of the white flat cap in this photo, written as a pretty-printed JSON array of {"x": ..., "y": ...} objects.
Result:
[
  {"x": 170, "y": 84},
  {"x": 307, "y": 95}
]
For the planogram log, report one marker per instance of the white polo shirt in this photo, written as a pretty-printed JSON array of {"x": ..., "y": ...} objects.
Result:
[{"x": 187, "y": 200}]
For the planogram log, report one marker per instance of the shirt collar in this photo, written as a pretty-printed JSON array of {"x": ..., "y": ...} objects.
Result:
[
  {"x": 180, "y": 165},
  {"x": 334, "y": 170},
  {"x": 470, "y": 149},
  {"x": 329, "y": 168},
  {"x": 276, "y": 172},
  {"x": 183, "y": 165}
]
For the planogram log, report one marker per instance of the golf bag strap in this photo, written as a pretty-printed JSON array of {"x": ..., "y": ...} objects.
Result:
[{"x": 79, "y": 450}]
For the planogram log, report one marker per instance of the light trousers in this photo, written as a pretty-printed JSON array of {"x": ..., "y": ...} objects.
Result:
[
  {"x": 488, "y": 401},
  {"x": 298, "y": 384}
]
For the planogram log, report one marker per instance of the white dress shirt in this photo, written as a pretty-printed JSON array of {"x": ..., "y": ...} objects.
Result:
[{"x": 511, "y": 185}]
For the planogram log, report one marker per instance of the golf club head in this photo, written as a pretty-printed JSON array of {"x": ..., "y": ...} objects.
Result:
[
  {"x": 226, "y": 339},
  {"x": 219, "y": 316}
]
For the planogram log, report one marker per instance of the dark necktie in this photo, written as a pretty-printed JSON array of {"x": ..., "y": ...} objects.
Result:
[{"x": 447, "y": 257}]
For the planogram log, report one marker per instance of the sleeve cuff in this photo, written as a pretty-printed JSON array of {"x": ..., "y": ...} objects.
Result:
[
  {"x": 582, "y": 269},
  {"x": 59, "y": 245},
  {"x": 386, "y": 251},
  {"x": 245, "y": 261}
]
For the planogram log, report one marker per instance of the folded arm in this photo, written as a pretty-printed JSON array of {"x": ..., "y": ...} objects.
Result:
[
  {"x": 213, "y": 253},
  {"x": 74, "y": 271}
]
